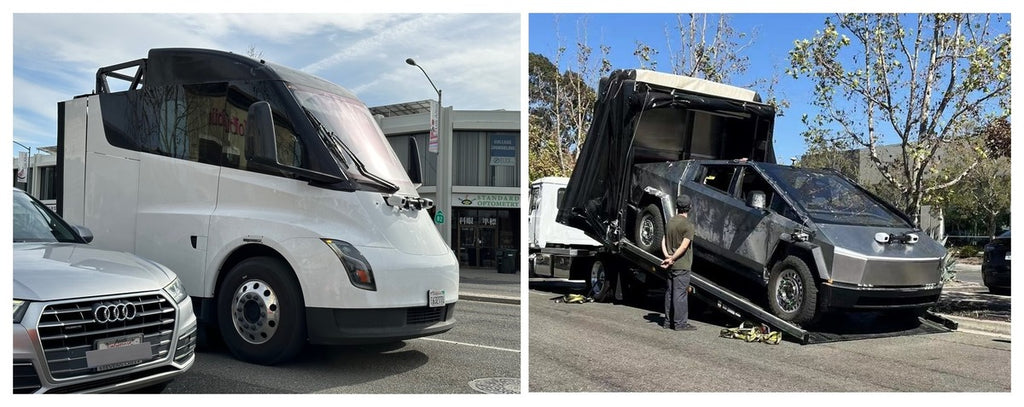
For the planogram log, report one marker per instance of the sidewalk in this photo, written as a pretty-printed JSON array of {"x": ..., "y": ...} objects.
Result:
[
  {"x": 972, "y": 306},
  {"x": 488, "y": 285}
]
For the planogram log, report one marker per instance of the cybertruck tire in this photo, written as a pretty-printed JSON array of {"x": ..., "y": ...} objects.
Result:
[
  {"x": 793, "y": 293},
  {"x": 650, "y": 229},
  {"x": 261, "y": 312}
]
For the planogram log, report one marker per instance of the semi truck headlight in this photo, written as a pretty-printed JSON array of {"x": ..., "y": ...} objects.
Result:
[
  {"x": 19, "y": 310},
  {"x": 356, "y": 266},
  {"x": 176, "y": 290}
]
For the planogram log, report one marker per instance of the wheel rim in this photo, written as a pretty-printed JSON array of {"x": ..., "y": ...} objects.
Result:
[
  {"x": 646, "y": 230},
  {"x": 597, "y": 278},
  {"x": 789, "y": 291},
  {"x": 255, "y": 312}
]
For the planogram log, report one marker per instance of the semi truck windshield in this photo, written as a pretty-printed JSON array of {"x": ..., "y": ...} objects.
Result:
[{"x": 359, "y": 136}]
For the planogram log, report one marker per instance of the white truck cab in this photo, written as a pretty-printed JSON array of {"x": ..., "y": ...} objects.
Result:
[{"x": 272, "y": 193}]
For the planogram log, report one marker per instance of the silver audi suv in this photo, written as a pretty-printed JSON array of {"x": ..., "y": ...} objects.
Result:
[{"x": 89, "y": 320}]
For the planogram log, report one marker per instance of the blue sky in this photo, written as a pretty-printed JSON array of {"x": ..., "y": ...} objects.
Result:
[
  {"x": 473, "y": 58},
  {"x": 773, "y": 38}
]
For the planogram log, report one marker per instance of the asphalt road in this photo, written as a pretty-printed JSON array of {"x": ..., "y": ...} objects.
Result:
[
  {"x": 597, "y": 347},
  {"x": 485, "y": 344}
]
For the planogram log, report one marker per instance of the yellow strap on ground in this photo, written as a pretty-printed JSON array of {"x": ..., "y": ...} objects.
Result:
[{"x": 753, "y": 334}]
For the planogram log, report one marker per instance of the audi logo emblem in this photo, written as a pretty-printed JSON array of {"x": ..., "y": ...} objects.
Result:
[{"x": 113, "y": 312}]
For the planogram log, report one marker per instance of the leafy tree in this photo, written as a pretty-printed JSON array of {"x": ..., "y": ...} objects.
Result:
[
  {"x": 984, "y": 198},
  {"x": 927, "y": 81},
  {"x": 561, "y": 105},
  {"x": 709, "y": 47}
]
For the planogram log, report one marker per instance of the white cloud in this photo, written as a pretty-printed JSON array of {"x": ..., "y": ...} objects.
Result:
[{"x": 474, "y": 58}]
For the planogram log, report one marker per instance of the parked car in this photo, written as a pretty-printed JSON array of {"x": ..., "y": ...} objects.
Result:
[
  {"x": 814, "y": 238},
  {"x": 89, "y": 320},
  {"x": 995, "y": 265}
]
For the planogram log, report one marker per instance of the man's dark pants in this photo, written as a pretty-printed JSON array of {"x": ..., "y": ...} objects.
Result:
[{"x": 676, "y": 305}]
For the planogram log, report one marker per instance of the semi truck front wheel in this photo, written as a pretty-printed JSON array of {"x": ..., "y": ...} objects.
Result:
[{"x": 260, "y": 311}]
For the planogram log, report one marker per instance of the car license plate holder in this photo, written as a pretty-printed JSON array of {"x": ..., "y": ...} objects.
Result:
[
  {"x": 435, "y": 298},
  {"x": 117, "y": 352}
]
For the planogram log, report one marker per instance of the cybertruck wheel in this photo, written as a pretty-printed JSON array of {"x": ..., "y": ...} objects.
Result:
[
  {"x": 650, "y": 229},
  {"x": 792, "y": 293},
  {"x": 260, "y": 311},
  {"x": 601, "y": 283}
]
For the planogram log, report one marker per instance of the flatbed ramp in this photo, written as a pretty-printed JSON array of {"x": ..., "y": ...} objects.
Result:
[{"x": 849, "y": 326}]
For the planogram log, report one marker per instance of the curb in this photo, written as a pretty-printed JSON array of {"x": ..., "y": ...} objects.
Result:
[
  {"x": 500, "y": 299},
  {"x": 994, "y": 327}
]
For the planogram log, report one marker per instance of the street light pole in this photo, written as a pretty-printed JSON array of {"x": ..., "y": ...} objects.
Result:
[
  {"x": 443, "y": 187},
  {"x": 28, "y": 177},
  {"x": 410, "y": 61}
]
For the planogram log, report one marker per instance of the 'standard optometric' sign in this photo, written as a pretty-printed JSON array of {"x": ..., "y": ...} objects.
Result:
[
  {"x": 503, "y": 149},
  {"x": 486, "y": 200}
]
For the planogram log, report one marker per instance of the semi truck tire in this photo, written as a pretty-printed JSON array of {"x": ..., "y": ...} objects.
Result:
[
  {"x": 261, "y": 312},
  {"x": 792, "y": 292},
  {"x": 601, "y": 284},
  {"x": 650, "y": 229}
]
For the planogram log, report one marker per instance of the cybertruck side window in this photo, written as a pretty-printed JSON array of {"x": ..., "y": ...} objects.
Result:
[
  {"x": 717, "y": 177},
  {"x": 751, "y": 181}
]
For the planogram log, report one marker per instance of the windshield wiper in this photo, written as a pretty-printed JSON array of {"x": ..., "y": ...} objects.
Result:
[{"x": 328, "y": 136}]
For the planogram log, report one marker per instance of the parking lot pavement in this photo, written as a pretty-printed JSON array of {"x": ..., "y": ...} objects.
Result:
[{"x": 488, "y": 285}]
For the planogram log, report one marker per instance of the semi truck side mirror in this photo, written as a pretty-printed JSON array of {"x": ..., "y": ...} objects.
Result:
[
  {"x": 756, "y": 200},
  {"x": 260, "y": 137},
  {"x": 415, "y": 169}
]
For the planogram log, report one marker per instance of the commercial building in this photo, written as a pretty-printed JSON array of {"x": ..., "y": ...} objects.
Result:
[
  {"x": 38, "y": 174},
  {"x": 480, "y": 217}
]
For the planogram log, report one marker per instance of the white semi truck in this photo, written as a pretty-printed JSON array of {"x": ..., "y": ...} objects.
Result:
[{"x": 272, "y": 193}]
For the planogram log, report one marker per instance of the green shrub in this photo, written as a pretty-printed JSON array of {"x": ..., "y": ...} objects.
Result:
[{"x": 966, "y": 251}]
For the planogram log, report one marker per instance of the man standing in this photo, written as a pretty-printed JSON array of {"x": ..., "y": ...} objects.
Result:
[{"x": 678, "y": 237}]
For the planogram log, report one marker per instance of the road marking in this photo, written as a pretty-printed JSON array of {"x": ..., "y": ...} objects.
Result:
[
  {"x": 983, "y": 333},
  {"x": 471, "y": 344}
]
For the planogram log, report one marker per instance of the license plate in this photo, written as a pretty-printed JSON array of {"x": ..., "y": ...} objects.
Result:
[
  {"x": 1007, "y": 256},
  {"x": 435, "y": 298},
  {"x": 121, "y": 351}
]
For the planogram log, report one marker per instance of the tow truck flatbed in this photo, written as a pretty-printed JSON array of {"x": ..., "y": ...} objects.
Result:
[{"x": 742, "y": 309}]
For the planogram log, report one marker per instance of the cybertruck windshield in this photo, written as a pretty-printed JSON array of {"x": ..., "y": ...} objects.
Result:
[
  {"x": 830, "y": 198},
  {"x": 353, "y": 137}
]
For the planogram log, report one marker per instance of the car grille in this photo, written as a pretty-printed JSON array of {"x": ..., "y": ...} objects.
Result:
[
  {"x": 67, "y": 331},
  {"x": 25, "y": 378},
  {"x": 186, "y": 347}
]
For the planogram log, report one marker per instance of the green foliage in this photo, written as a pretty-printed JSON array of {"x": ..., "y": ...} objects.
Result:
[
  {"x": 965, "y": 251},
  {"x": 560, "y": 107},
  {"x": 923, "y": 82}
]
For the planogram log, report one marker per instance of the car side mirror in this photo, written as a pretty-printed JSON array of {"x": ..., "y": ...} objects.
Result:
[
  {"x": 756, "y": 200},
  {"x": 85, "y": 233},
  {"x": 260, "y": 138}
]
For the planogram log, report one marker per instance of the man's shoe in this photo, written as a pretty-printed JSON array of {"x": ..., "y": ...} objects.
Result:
[{"x": 686, "y": 327}]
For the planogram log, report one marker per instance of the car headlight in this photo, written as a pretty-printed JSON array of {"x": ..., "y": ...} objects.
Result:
[
  {"x": 19, "y": 310},
  {"x": 176, "y": 290},
  {"x": 356, "y": 266}
]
